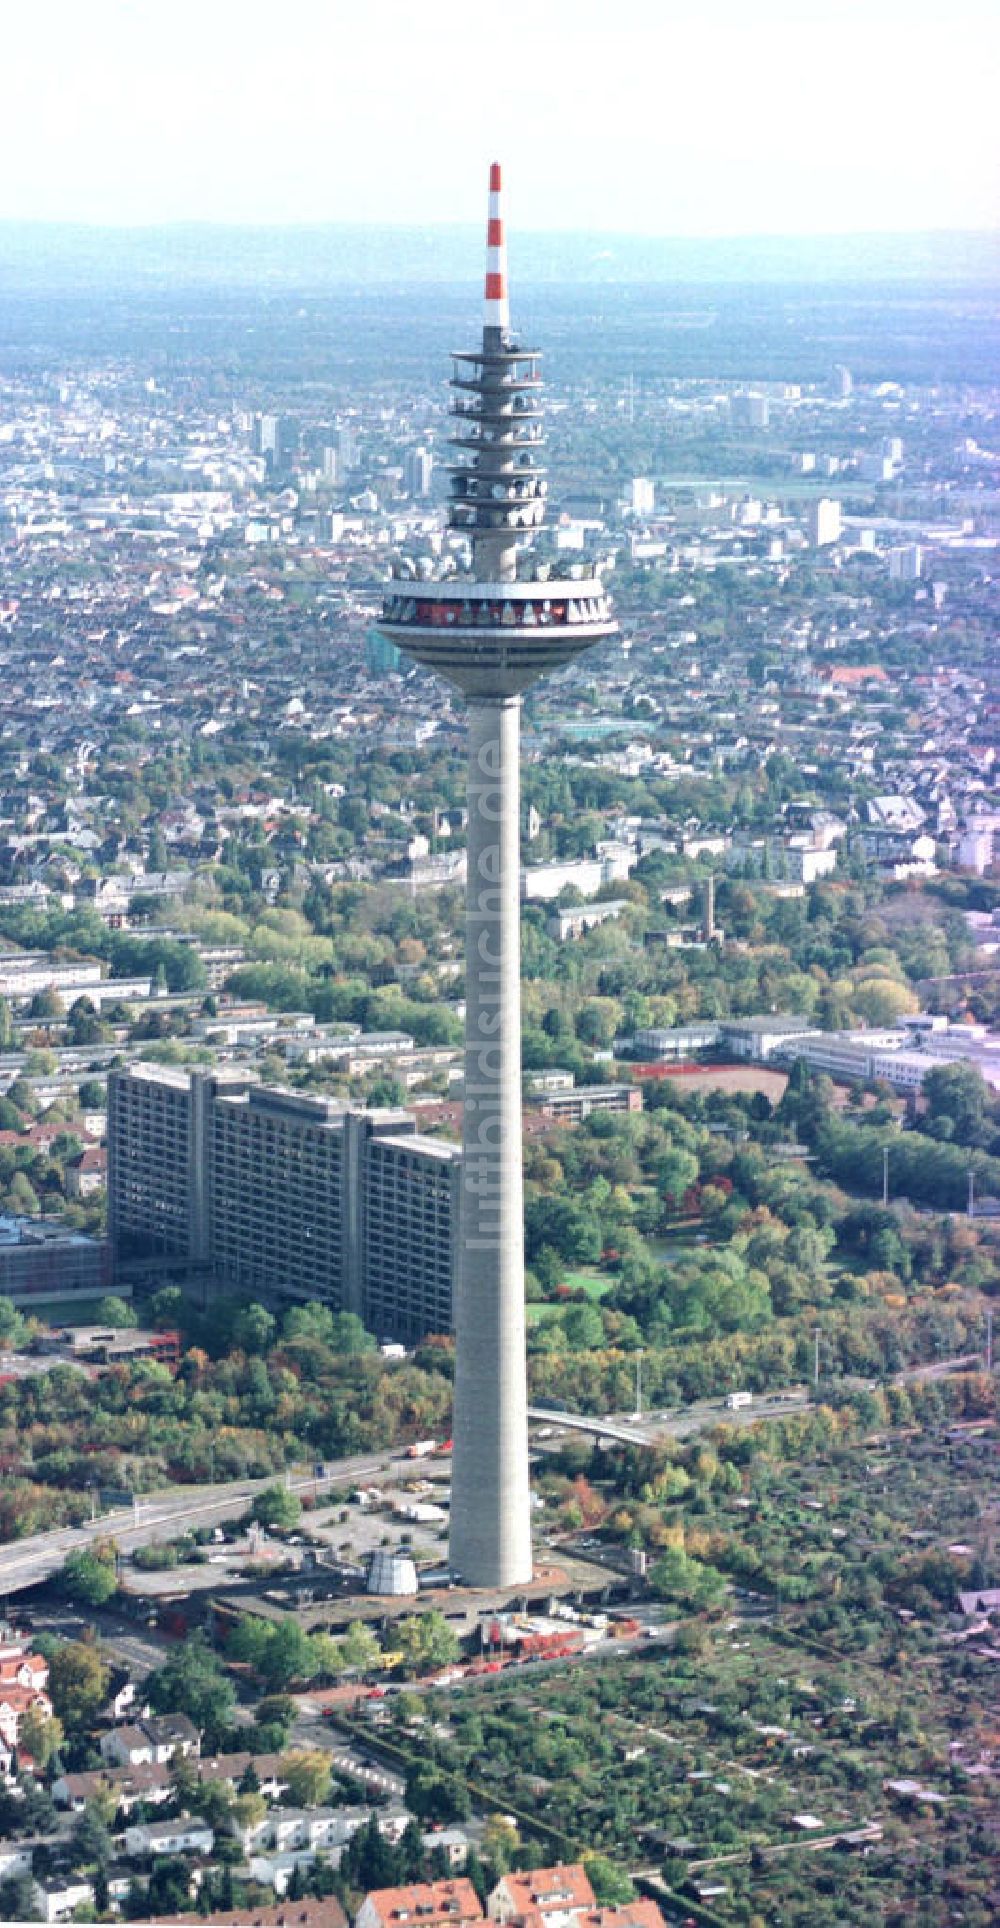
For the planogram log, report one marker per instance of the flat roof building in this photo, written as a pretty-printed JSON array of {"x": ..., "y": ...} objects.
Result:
[
  {"x": 283, "y": 1196},
  {"x": 573, "y": 1107},
  {"x": 41, "y": 1259},
  {"x": 761, "y": 1037}
]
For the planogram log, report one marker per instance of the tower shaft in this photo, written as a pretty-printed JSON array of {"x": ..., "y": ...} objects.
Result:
[
  {"x": 493, "y": 632},
  {"x": 490, "y": 1501}
]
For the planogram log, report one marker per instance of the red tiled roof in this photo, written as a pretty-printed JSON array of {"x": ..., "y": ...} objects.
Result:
[
  {"x": 327, "y": 1913},
  {"x": 19, "y": 1698},
  {"x": 541, "y": 1891},
  {"x": 631, "y": 1914},
  {"x": 428, "y": 1901}
]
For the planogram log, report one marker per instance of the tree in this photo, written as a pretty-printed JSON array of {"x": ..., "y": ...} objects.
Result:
[
  {"x": 254, "y": 1329},
  {"x": 425, "y": 1641},
  {"x": 115, "y": 1312},
  {"x": 350, "y": 1335},
  {"x": 584, "y": 1328},
  {"x": 958, "y": 1092},
  {"x": 84, "y": 1025},
  {"x": 78, "y": 1684},
  {"x": 184, "y": 1780},
  {"x": 41, "y": 1736},
  {"x": 47, "y": 1004},
  {"x": 166, "y": 1307},
  {"x": 20, "y": 1093},
  {"x": 288, "y": 1654},
  {"x": 369, "y": 1860},
  {"x": 275, "y": 1707},
  {"x": 191, "y": 1681},
  {"x": 89, "y": 1577},
  {"x": 501, "y": 1842},
  {"x": 23, "y": 1196},
  {"x": 434, "y": 1796},
  {"x": 18, "y": 1901},
  {"x": 247, "y": 1811},
  {"x": 277, "y": 1507},
  {"x": 297, "y": 1888},
  {"x": 611, "y": 1884},
  {"x": 676, "y": 1172},
  {"x": 159, "y": 859},
  {"x": 312, "y": 1321},
  {"x": 169, "y": 1890},
  {"x": 566, "y": 1225},
  {"x": 676, "y": 1576},
  {"x": 882, "y": 1001},
  {"x": 307, "y": 1772},
  {"x": 12, "y": 1326},
  {"x": 90, "y": 1843},
  {"x": 249, "y": 1641},
  {"x": 214, "y": 1801},
  {"x": 359, "y": 1648}
]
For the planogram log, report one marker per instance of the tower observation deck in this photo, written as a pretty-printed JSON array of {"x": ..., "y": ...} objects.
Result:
[{"x": 493, "y": 632}]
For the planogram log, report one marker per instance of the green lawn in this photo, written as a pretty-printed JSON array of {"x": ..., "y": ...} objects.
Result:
[
  {"x": 595, "y": 1284},
  {"x": 588, "y": 1279}
]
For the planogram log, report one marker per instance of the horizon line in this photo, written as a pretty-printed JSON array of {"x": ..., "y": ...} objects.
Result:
[{"x": 240, "y": 225}]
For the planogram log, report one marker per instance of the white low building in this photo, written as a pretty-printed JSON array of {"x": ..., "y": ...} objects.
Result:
[
  {"x": 15, "y": 1859},
  {"x": 185, "y": 1835},
  {"x": 276, "y": 1870},
  {"x": 59, "y": 1896}
]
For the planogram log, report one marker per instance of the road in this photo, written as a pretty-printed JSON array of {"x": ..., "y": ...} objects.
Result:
[
  {"x": 29, "y": 1561},
  {"x": 678, "y": 1423},
  {"x": 617, "y": 1426},
  {"x": 683, "y": 1421}
]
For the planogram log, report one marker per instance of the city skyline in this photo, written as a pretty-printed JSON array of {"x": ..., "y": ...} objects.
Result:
[{"x": 838, "y": 121}]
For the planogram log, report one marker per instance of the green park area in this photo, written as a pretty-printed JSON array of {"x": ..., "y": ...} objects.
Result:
[{"x": 803, "y": 1737}]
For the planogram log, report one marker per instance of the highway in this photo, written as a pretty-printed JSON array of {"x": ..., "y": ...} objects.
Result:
[
  {"x": 682, "y": 1422},
  {"x": 26, "y": 1562},
  {"x": 677, "y": 1423},
  {"x": 617, "y": 1426}
]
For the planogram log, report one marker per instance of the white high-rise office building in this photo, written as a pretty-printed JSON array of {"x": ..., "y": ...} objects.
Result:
[
  {"x": 750, "y": 411},
  {"x": 906, "y": 563},
  {"x": 418, "y": 467},
  {"x": 825, "y": 521}
]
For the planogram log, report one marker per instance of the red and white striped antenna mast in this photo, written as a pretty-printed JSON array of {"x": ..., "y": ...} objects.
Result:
[{"x": 496, "y": 307}]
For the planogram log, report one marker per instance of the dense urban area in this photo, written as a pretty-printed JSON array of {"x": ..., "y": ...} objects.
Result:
[{"x": 753, "y": 1679}]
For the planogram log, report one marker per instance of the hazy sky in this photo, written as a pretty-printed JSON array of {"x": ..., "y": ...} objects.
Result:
[{"x": 652, "y": 116}]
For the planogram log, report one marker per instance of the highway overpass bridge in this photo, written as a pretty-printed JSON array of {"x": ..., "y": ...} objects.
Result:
[{"x": 625, "y": 1432}]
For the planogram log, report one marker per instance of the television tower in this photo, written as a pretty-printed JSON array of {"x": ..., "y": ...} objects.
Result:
[{"x": 493, "y": 632}]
